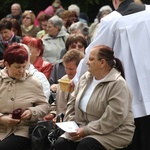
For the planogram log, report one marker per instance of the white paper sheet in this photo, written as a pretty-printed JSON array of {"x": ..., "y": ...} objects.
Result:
[{"x": 69, "y": 126}]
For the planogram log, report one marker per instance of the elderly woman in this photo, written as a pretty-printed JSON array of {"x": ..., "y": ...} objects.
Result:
[
  {"x": 80, "y": 28},
  {"x": 54, "y": 40},
  {"x": 27, "y": 27},
  {"x": 100, "y": 105},
  {"x": 19, "y": 89},
  {"x": 70, "y": 61},
  {"x": 36, "y": 49}
]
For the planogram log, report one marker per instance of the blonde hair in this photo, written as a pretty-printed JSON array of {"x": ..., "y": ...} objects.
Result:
[
  {"x": 73, "y": 55},
  {"x": 32, "y": 15}
]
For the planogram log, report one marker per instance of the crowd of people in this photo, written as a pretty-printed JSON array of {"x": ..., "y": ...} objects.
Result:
[{"x": 36, "y": 51}]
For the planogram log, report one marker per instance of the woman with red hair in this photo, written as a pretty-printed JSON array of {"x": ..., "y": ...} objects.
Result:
[
  {"x": 20, "y": 92},
  {"x": 36, "y": 49}
]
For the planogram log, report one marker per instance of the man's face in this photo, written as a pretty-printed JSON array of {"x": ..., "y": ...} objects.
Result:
[
  {"x": 15, "y": 10},
  {"x": 70, "y": 68},
  {"x": 6, "y": 34}
]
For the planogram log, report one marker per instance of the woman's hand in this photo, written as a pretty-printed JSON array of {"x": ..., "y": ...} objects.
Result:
[
  {"x": 49, "y": 117},
  {"x": 8, "y": 121},
  {"x": 53, "y": 87},
  {"x": 26, "y": 115},
  {"x": 77, "y": 135}
]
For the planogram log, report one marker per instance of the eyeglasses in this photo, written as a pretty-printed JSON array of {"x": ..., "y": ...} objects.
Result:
[
  {"x": 79, "y": 46},
  {"x": 26, "y": 18}
]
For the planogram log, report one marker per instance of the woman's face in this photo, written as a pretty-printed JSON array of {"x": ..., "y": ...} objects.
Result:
[
  {"x": 78, "y": 46},
  {"x": 26, "y": 20},
  {"x": 70, "y": 68},
  {"x": 52, "y": 30},
  {"x": 16, "y": 70},
  {"x": 35, "y": 52},
  {"x": 6, "y": 34},
  {"x": 94, "y": 65}
]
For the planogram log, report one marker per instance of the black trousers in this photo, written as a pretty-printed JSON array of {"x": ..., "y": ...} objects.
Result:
[
  {"x": 84, "y": 144},
  {"x": 141, "y": 138},
  {"x": 14, "y": 142}
]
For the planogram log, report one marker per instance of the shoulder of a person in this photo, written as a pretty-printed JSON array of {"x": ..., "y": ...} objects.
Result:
[
  {"x": 85, "y": 76},
  {"x": 36, "y": 28},
  {"x": 17, "y": 38},
  {"x": 112, "y": 16},
  {"x": 30, "y": 75},
  {"x": 47, "y": 64},
  {"x": 9, "y": 16},
  {"x": 41, "y": 32},
  {"x": 147, "y": 7},
  {"x": 93, "y": 25},
  {"x": 37, "y": 77},
  {"x": 63, "y": 33},
  {"x": 46, "y": 37}
]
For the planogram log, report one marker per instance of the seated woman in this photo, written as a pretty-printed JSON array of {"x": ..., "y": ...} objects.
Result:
[
  {"x": 43, "y": 25},
  {"x": 36, "y": 49},
  {"x": 19, "y": 89},
  {"x": 74, "y": 41},
  {"x": 70, "y": 61},
  {"x": 80, "y": 28},
  {"x": 54, "y": 40},
  {"x": 28, "y": 28},
  {"x": 100, "y": 105}
]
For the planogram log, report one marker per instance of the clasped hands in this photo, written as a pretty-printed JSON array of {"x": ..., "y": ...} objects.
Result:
[{"x": 7, "y": 120}]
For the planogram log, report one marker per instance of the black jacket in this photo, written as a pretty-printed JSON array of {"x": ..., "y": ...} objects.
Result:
[{"x": 3, "y": 46}]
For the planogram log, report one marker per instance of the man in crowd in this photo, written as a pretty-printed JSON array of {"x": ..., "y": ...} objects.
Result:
[{"x": 16, "y": 12}]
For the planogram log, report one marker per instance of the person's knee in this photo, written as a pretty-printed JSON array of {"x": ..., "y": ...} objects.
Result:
[
  {"x": 3, "y": 146},
  {"x": 89, "y": 144},
  {"x": 59, "y": 143}
]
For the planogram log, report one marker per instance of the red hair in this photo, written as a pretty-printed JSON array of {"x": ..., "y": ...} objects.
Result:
[
  {"x": 34, "y": 42},
  {"x": 15, "y": 53}
]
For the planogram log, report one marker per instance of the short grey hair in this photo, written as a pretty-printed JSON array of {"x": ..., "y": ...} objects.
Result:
[
  {"x": 80, "y": 26},
  {"x": 56, "y": 21},
  {"x": 105, "y": 8},
  {"x": 103, "y": 11},
  {"x": 74, "y": 8}
]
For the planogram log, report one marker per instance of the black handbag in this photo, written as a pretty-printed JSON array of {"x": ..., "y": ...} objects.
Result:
[
  {"x": 44, "y": 134},
  {"x": 56, "y": 131},
  {"x": 39, "y": 133}
]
